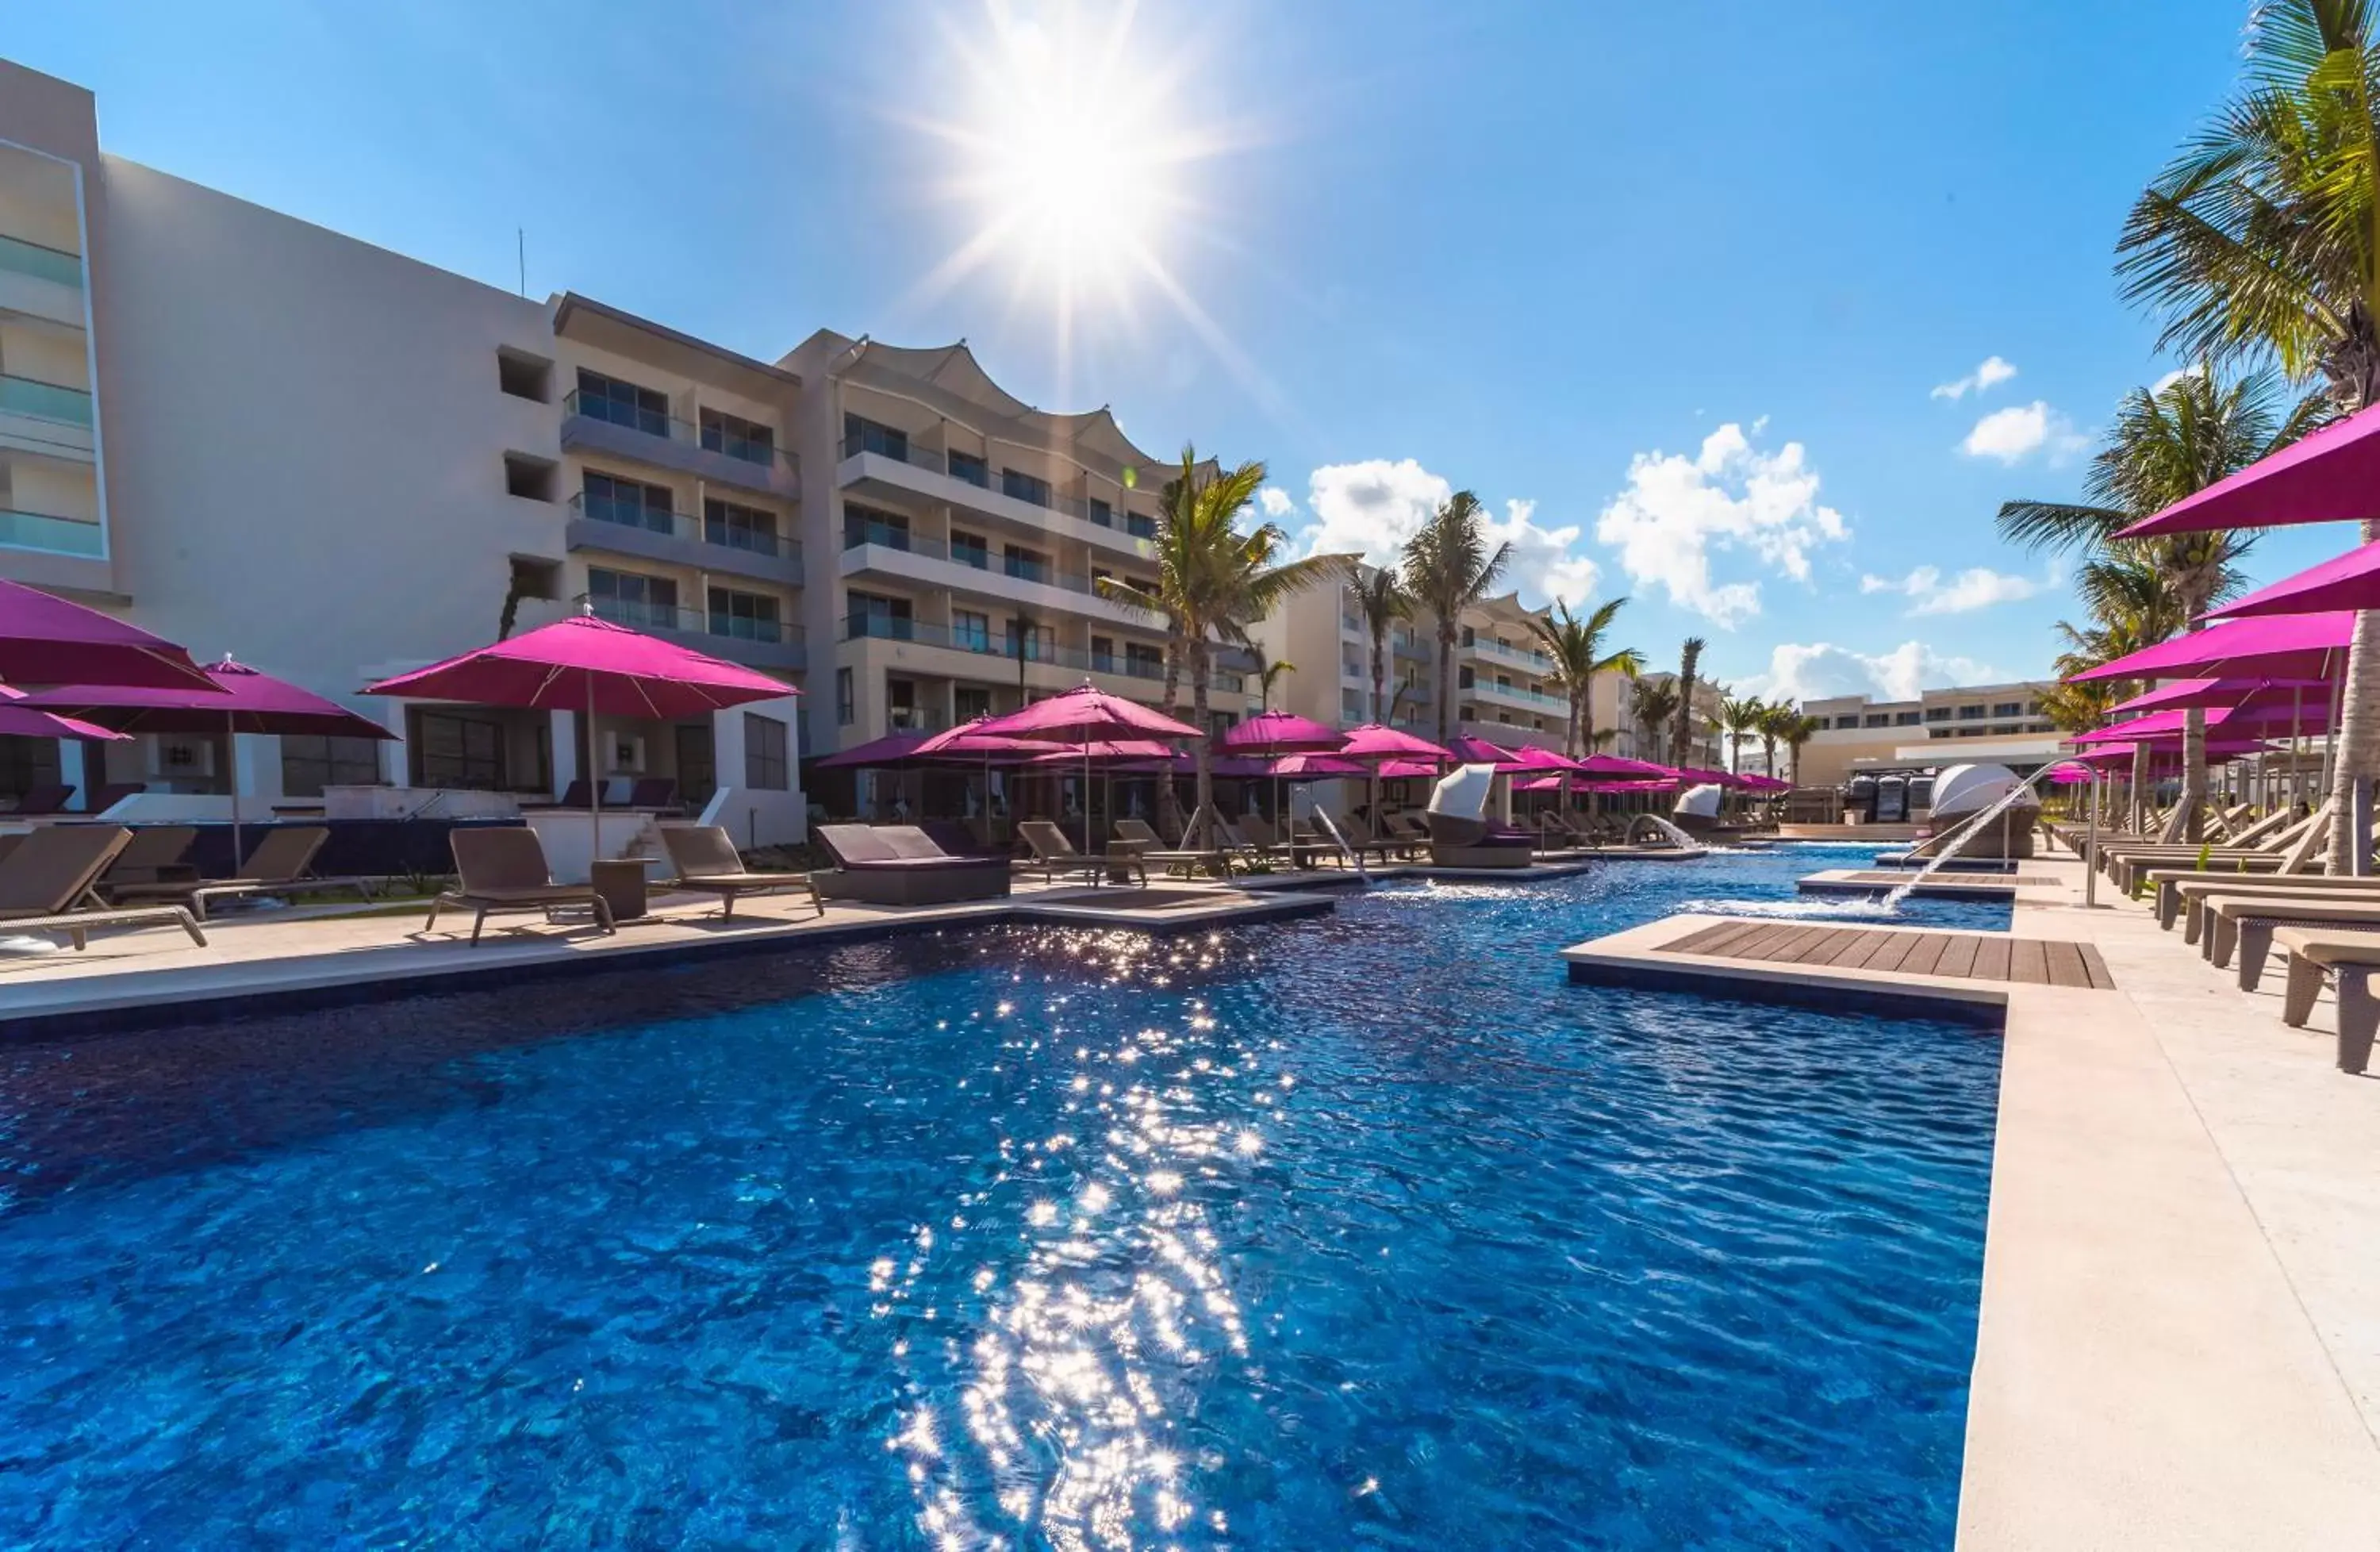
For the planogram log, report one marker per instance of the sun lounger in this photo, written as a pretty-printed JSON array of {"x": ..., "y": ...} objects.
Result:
[
  {"x": 1053, "y": 853},
  {"x": 1149, "y": 846},
  {"x": 2244, "y": 925},
  {"x": 2296, "y": 846},
  {"x": 283, "y": 863},
  {"x": 155, "y": 856},
  {"x": 707, "y": 863},
  {"x": 900, "y": 865},
  {"x": 1299, "y": 851},
  {"x": 658, "y": 794},
  {"x": 108, "y": 796},
  {"x": 49, "y": 882},
  {"x": 2350, "y": 958},
  {"x": 503, "y": 868},
  {"x": 41, "y": 801},
  {"x": 2166, "y": 884},
  {"x": 1362, "y": 837}
]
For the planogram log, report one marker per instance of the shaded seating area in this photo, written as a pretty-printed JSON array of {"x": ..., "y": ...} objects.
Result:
[
  {"x": 282, "y": 862},
  {"x": 1053, "y": 853},
  {"x": 1151, "y": 847},
  {"x": 1459, "y": 833},
  {"x": 901, "y": 865},
  {"x": 42, "y": 801},
  {"x": 504, "y": 870},
  {"x": 704, "y": 861},
  {"x": 49, "y": 883}
]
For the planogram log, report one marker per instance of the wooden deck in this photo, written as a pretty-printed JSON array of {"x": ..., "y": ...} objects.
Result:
[
  {"x": 1891, "y": 878},
  {"x": 1971, "y": 955}
]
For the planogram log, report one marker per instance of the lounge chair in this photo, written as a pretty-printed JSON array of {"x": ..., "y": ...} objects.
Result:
[
  {"x": 1460, "y": 835},
  {"x": 2245, "y": 924},
  {"x": 656, "y": 793},
  {"x": 49, "y": 882},
  {"x": 1053, "y": 853},
  {"x": 2126, "y": 864},
  {"x": 503, "y": 868},
  {"x": 2349, "y": 957},
  {"x": 707, "y": 863},
  {"x": 282, "y": 862},
  {"x": 1149, "y": 846},
  {"x": 1283, "y": 841},
  {"x": 900, "y": 865},
  {"x": 580, "y": 793},
  {"x": 108, "y": 796},
  {"x": 38, "y": 802},
  {"x": 155, "y": 856}
]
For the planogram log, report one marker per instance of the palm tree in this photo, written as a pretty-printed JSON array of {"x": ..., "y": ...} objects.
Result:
[
  {"x": 2132, "y": 605},
  {"x": 1793, "y": 730},
  {"x": 2167, "y": 444},
  {"x": 1212, "y": 580},
  {"x": 1383, "y": 600},
  {"x": 1741, "y": 718},
  {"x": 1690, "y": 663},
  {"x": 1653, "y": 702},
  {"x": 1576, "y": 647},
  {"x": 2261, "y": 239},
  {"x": 1267, "y": 674},
  {"x": 1447, "y": 569},
  {"x": 1777, "y": 725}
]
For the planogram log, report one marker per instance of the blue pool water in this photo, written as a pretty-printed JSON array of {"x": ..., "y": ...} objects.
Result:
[{"x": 1369, "y": 1230}]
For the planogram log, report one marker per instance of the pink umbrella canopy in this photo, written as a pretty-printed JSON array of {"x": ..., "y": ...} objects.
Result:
[
  {"x": 1317, "y": 768},
  {"x": 2211, "y": 692},
  {"x": 19, "y": 719},
  {"x": 976, "y": 741},
  {"x": 2348, "y": 581},
  {"x": 46, "y": 640},
  {"x": 1107, "y": 751},
  {"x": 2281, "y": 646},
  {"x": 2332, "y": 476},
  {"x": 1711, "y": 778},
  {"x": 1398, "y": 769},
  {"x": 2156, "y": 725},
  {"x": 1619, "y": 768},
  {"x": 243, "y": 700},
  {"x": 2067, "y": 773},
  {"x": 583, "y": 663},
  {"x": 1469, "y": 750},
  {"x": 1085, "y": 711},
  {"x": 1536, "y": 758},
  {"x": 1280, "y": 732},
  {"x": 878, "y": 754},
  {"x": 1378, "y": 741}
]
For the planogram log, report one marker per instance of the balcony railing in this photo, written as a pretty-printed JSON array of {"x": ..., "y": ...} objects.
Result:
[
  {"x": 1137, "y": 525},
  {"x": 42, "y": 263},
  {"x": 1535, "y": 660},
  {"x": 888, "y": 627},
  {"x": 44, "y": 401},
  {"x": 686, "y": 527},
  {"x": 58, "y": 536},
  {"x": 639, "y": 616},
  {"x": 909, "y": 544}
]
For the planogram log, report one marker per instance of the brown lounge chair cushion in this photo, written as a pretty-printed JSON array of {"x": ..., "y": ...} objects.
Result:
[
  {"x": 707, "y": 863},
  {"x": 892, "y": 848},
  {"x": 2350, "y": 956},
  {"x": 503, "y": 868}
]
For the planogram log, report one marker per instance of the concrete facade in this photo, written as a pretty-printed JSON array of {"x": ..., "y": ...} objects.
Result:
[{"x": 1998, "y": 722}]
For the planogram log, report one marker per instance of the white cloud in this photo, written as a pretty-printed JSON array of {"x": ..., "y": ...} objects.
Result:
[
  {"x": 2170, "y": 378},
  {"x": 1819, "y": 669},
  {"x": 1993, "y": 371},
  {"x": 2018, "y": 431},
  {"x": 1372, "y": 508},
  {"x": 1975, "y": 588},
  {"x": 1676, "y": 509},
  {"x": 1277, "y": 502}
]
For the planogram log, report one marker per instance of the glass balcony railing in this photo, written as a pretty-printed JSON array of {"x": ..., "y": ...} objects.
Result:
[
  {"x": 681, "y": 525},
  {"x": 984, "y": 643},
  {"x": 741, "y": 446},
  {"x": 1489, "y": 647},
  {"x": 42, "y": 263},
  {"x": 867, "y": 531},
  {"x": 637, "y": 614},
  {"x": 44, "y": 401},
  {"x": 978, "y": 472},
  {"x": 58, "y": 536}
]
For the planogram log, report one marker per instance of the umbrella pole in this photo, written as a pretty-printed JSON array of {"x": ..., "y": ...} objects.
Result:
[
  {"x": 231, "y": 753},
  {"x": 594, "y": 787}
]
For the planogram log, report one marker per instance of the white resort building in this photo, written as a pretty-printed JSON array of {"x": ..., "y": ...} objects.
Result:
[{"x": 2002, "y": 723}]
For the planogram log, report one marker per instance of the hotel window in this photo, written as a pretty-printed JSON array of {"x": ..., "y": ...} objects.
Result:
[
  {"x": 1040, "y": 642},
  {"x": 1351, "y": 706},
  {"x": 1877, "y": 719},
  {"x": 1937, "y": 714},
  {"x": 970, "y": 701},
  {"x": 453, "y": 750},
  {"x": 900, "y": 704},
  {"x": 874, "y": 615},
  {"x": 967, "y": 467},
  {"x": 844, "y": 714},
  {"x": 311, "y": 763},
  {"x": 764, "y": 753},
  {"x": 632, "y": 598},
  {"x": 1024, "y": 487},
  {"x": 2009, "y": 708},
  {"x": 867, "y": 524},
  {"x": 622, "y": 404},
  {"x": 739, "y": 527},
  {"x": 1139, "y": 526},
  {"x": 1464, "y": 679},
  {"x": 1971, "y": 713},
  {"x": 738, "y": 438},
  {"x": 1144, "y": 662},
  {"x": 1904, "y": 719},
  {"x": 970, "y": 550},
  {"x": 863, "y": 435},
  {"x": 1101, "y": 513},
  {"x": 970, "y": 632},
  {"x": 744, "y": 617},
  {"x": 1029, "y": 566},
  {"x": 1103, "y": 654},
  {"x": 630, "y": 503}
]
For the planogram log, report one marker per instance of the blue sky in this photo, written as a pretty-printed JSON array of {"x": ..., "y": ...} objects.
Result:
[{"x": 1671, "y": 287}]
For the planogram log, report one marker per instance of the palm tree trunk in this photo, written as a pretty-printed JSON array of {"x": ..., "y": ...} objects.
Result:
[
  {"x": 1380, "y": 676},
  {"x": 1202, "y": 750},
  {"x": 2359, "y": 738},
  {"x": 2140, "y": 818},
  {"x": 1169, "y": 802},
  {"x": 1445, "y": 679},
  {"x": 1586, "y": 718}
]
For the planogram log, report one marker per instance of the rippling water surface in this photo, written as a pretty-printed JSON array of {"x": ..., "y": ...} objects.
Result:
[{"x": 1365, "y": 1231}]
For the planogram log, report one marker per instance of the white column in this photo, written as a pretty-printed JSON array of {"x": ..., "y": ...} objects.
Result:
[
  {"x": 566, "y": 750},
  {"x": 756, "y": 815},
  {"x": 256, "y": 773},
  {"x": 75, "y": 771}
]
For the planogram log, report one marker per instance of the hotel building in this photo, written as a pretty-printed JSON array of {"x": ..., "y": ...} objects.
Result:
[
  {"x": 262, "y": 439},
  {"x": 2002, "y": 723}
]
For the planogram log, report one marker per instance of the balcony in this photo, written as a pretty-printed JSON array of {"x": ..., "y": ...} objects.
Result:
[
  {"x": 40, "y": 283},
  {"x": 1518, "y": 694},
  {"x": 664, "y": 442},
  {"x": 875, "y": 464},
  {"x": 885, "y": 628},
  {"x": 889, "y": 551},
  {"x": 764, "y": 643},
  {"x": 54, "y": 536},
  {"x": 1497, "y": 651},
  {"x": 45, "y": 419},
  {"x": 682, "y": 538}
]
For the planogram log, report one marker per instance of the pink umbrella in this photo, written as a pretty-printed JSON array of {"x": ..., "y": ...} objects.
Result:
[
  {"x": 46, "y": 640},
  {"x": 2285, "y": 646},
  {"x": 1316, "y": 767},
  {"x": 2067, "y": 773},
  {"x": 2156, "y": 725},
  {"x": 19, "y": 719},
  {"x": 2332, "y": 476},
  {"x": 2348, "y": 581},
  {"x": 1621, "y": 768},
  {"x": 892, "y": 750},
  {"x": 1398, "y": 769},
  {"x": 1468, "y": 750},
  {"x": 2208, "y": 692},
  {"x": 1378, "y": 741},
  {"x": 1279, "y": 733},
  {"x": 242, "y": 701},
  {"x": 584, "y": 664},
  {"x": 1084, "y": 713},
  {"x": 1534, "y": 757}
]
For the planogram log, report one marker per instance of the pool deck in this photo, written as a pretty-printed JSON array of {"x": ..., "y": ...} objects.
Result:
[
  {"x": 2040, "y": 887},
  {"x": 2180, "y": 1340}
]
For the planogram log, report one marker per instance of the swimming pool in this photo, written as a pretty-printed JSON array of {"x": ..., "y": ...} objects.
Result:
[{"x": 1365, "y": 1229}]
